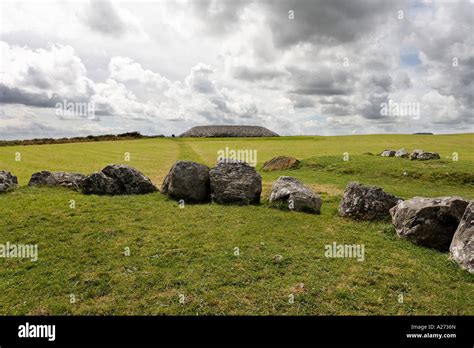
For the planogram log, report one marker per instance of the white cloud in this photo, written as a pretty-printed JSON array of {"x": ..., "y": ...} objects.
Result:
[
  {"x": 55, "y": 70},
  {"x": 124, "y": 69}
]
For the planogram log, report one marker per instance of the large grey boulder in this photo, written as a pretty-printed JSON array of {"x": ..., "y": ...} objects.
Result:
[
  {"x": 388, "y": 153},
  {"x": 366, "y": 202},
  {"x": 189, "y": 181},
  {"x": 401, "y": 153},
  {"x": 421, "y": 155},
  {"x": 462, "y": 245},
  {"x": 100, "y": 184},
  {"x": 8, "y": 181},
  {"x": 117, "y": 179},
  {"x": 235, "y": 183},
  {"x": 429, "y": 222},
  {"x": 290, "y": 193},
  {"x": 46, "y": 178}
]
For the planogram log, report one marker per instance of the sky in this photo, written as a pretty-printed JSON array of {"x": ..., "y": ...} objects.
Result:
[{"x": 312, "y": 67}]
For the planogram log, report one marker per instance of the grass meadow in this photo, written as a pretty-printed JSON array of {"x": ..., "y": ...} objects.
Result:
[{"x": 184, "y": 262}]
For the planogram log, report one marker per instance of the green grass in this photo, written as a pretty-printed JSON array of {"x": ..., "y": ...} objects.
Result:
[{"x": 190, "y": 251}]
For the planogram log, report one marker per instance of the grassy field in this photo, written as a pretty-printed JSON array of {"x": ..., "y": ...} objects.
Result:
[{"x": 183, "y": 262}]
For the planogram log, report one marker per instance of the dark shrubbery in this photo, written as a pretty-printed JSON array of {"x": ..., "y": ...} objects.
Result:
[{"x": 89, "y": 138}]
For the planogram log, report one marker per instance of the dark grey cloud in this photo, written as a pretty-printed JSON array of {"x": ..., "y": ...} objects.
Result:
[
  {"x": 324, "y": 82},
  {"x": 336, "y": 106},
  {"x": 402, "y": 80},
  {"x": 302, "y": 101},
  {"x": 220, "y": 17},
  {"x": 372, "y": 106},
  {"x": 220, "y": 104},
  {"x": 320, "y": 90},
  {"x": 18, "y": 96},
  {"x": 381, "y": 82},
  {"x": 336, "y": 110},
  {"x": 253, "y": 74},
  {"x": 327, "y": 21},
  {"x": 102, "y": 16},
  {"x": 315, "y": 21},
  {"x": 35, "y": 77}
]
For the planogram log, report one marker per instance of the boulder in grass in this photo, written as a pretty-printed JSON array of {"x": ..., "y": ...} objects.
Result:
[
  {"x": 281, "y": 163},
  {"x": 462, "y": 245},
  {"x": 421, "y": 155},
  {"x": 361, "y": 202},
  {"x": 46, "y": 178},
  {"x": 429, "y": 222},
  {"x": 130, "y": 179},
  {"x": 117, "y": 179},
  {"x": 100, "y": 184},
  {"x": 388, "y": 153},
  {"x": 235, "y": 183},
  {"x": 290, "y": 193},
  {"x": 401, "y": 153},
  {"x": 8, "y": 181},
  {"x": 189, "y": 181}
]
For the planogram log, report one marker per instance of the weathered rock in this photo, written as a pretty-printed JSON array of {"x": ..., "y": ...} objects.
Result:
[
  {"x": 290, "y": 193},
  {"x": 117, "y": 179},
  {"x": 429, "y": 222},
  {"x": 401, "y": 153},
  {"x": 235, "y": 183},
  {"x": 100, "y": 184},
  {"x": 8, "y": 181},
  {"x": 462, "y": 245},
  {"x": 423, "y": 156},
  {"x": 189, "y": 181},
  {"x": 366, "y": 202},
  {"x": 46, "y": 178},
  {"x": 388, "y": 153},
  {"x": 281, "y": 163}
]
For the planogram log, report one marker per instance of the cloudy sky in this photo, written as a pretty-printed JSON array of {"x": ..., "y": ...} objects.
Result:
[{"x": 295, "y": 66}]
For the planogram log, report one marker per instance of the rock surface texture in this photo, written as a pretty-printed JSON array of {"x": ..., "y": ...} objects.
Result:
[
  {"x": 421, "y": 155},
  {"x": 366, "y": 202},
  {"x": 429, "y": 222},
  {"x": 188, "y": 181},
  {"x": 8, "y": 181},
  {"x": 290, "y": 193},
  {"x": 388, "y": 153},
  {"x": 462, "y": 245},
  {"x": 401, "y": 153},
  {"x": 281, "y": 163},
  {"x": 117, "y": 179},
  {"x": 235, "y": 183},
  {"x": 228, "y": 131},
  {"x": 46, "y": 178}
]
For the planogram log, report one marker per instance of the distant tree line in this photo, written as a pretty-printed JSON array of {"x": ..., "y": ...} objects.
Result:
[{"x": 89, "y": 138}]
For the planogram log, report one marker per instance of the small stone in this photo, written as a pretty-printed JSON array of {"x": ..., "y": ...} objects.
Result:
[{"x": 277, "y": 258}]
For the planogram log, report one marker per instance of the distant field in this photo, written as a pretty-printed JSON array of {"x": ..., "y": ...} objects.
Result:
[{"x": 190, "y": 251}]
